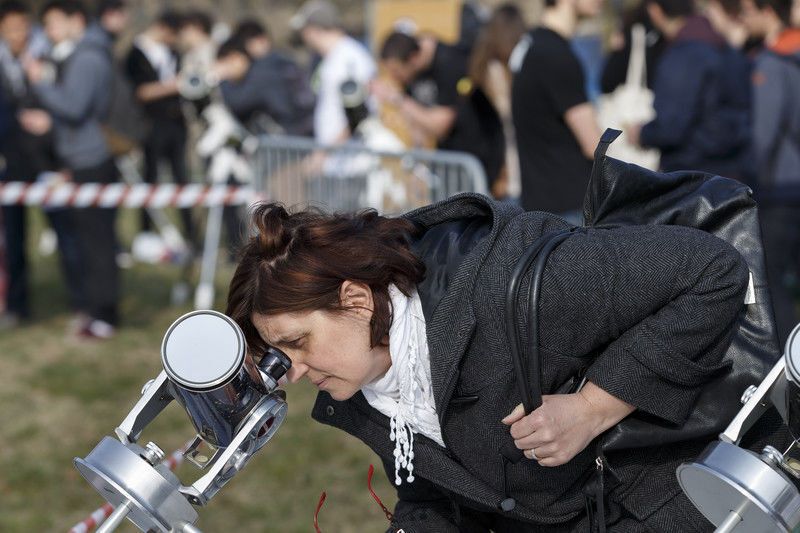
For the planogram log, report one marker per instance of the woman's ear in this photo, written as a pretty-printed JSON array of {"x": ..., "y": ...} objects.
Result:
[{"x": 358, "y": 296}]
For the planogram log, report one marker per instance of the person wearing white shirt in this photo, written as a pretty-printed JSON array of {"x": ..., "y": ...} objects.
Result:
[{"x": 343, "y": 59}]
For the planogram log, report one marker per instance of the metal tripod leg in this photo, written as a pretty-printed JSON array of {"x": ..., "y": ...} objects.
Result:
[{"x": 204, "y": 295}]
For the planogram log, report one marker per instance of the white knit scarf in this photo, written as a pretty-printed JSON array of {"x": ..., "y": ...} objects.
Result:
[{"x": 404, "y": 393}]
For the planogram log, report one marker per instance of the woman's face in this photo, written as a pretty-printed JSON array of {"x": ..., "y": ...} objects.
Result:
[{"x": 329, "y": 348}]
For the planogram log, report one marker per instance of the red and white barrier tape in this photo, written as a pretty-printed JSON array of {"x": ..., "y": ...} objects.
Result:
[
  {"x": 70, "y": 194},
  {"x": 101, "y": 513}
]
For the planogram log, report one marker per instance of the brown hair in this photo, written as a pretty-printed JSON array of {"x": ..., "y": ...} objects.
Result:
[
  {"x": 298, "y": 261},
  {"x": 496, "y": 41}
]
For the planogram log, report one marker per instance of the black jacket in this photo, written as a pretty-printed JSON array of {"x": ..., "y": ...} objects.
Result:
[
  {"x": 702, "y": 104},
  {"x": 647, "y": 312}
]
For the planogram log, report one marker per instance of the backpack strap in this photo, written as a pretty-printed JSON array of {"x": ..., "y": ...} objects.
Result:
[
  {"x": 529, "y": 378},
  {"x": 535, "y": 257}
]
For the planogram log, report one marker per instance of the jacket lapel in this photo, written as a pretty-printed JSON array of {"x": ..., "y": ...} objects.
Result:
[
  {"x": 448, "y": 331},
  {"x": 450, "y": 321},
  {"x": 431, "y": 461}
]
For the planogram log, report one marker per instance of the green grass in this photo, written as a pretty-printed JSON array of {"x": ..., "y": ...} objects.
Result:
[{"x": 59, "y": 397}]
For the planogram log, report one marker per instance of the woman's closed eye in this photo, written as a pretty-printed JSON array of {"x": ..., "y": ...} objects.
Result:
[{"x": 295, "y": 344}]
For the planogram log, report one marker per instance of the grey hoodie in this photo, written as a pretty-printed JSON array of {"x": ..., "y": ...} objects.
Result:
[{"x": 79, "y": 100}]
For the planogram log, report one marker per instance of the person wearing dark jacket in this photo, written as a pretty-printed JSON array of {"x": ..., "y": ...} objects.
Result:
[
  {"x": 27, "y": 148},
  {"x": 266, "y": 93},
  {"x": 401, "y": 325},
  {"x": 702, "y": 118},
  {"x": 113, "y": 17},
  {"x": 152, "y": 66},
  {"x": 776, "y": 144},
  {"x": 78, "y": 100}
]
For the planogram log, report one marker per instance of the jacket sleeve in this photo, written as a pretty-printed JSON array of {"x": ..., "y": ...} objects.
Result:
[
  {"x": 241, "y": 98},
  {"x": 652, "y": 309},
  {"x": 72, "y": 100},
  {"x": 769, "y": 108},
  {"x": 677, "y": 100},
  {"x": 422, "y": 508}
]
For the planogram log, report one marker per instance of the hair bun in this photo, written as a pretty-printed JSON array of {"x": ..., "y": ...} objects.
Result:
[{"x": 273, "y": 234}]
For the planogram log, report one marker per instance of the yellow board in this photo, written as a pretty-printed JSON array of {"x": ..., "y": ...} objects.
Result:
[{"x": 439, "y": 17}]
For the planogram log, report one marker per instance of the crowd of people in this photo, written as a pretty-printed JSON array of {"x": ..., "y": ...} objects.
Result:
[
  {"x": 724, "y": 74},
  {"x": 72, "y": 104}
]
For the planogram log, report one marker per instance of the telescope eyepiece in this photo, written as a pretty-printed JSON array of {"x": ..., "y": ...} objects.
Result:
[{"x": 275, "y": 363}]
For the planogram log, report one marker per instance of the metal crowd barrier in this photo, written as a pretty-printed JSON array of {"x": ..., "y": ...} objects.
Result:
[{"x": 298, "y": 171}]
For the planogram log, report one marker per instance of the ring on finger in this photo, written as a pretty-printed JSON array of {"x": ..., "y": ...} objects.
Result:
[{"x": 532, "y": 454}]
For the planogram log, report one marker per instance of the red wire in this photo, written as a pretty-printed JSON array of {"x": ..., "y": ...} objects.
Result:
[
  {"x": 389, "y": 515},
  {"x": 319, "y": 506}
]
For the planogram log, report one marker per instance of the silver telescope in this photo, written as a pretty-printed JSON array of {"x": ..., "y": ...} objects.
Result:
[
  {"x": 742, "y": 491},
  {"x": 233, "y": 403}
]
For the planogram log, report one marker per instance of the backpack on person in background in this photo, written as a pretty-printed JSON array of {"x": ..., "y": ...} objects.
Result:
[
  {"x": 302, "y": 100},
  {"x": 125, "y": 125}
]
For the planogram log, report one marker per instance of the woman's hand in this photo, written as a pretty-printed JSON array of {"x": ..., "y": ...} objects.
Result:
[{"x": 565, "y": 424}]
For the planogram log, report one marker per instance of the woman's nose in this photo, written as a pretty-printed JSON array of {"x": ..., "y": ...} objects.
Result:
[{"x": 297, "y": 371}]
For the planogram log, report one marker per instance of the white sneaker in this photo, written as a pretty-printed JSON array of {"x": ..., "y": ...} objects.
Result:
[{"x": 97, "y": 329}]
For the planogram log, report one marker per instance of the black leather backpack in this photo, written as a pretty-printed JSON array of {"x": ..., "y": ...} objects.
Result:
[{"x": 622, "y": 194}]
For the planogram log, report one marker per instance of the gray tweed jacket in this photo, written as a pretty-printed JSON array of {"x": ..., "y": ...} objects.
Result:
[{"x": 645, "y": 312}]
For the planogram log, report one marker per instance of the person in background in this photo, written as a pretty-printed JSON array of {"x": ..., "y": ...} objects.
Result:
[
  {"x": 265, "y": 89},
  {"x": 488, "y": 68},
  {"x": 438, "y": 100},
  {"x": 343, "y": 58},
  {"x": 152, "y": 65},
  {"x": 77, "y": 100},
  {"x": 268, "y": 94},
  {"x": 113, "y": 17},
  {"x": 615, "y": 70},
  {"x": 701, "y": 122},
  {"x": 125, "y": 126},
  {"x": 736, "y": 95},
  {"x": 428, "y": 72},
  {"x": 554, "y": 121},
  {"x": 27, "y": 149},
  {"x": 255, "y": 37},
  {"x": 776, "y": 143},
  {"x": 198, "y": 48},
  {"x": 473, "y": 17},
  {"x": 727, "y": 19}
]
